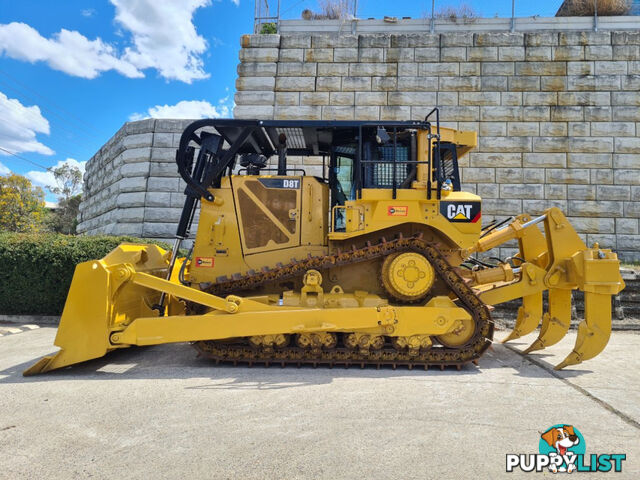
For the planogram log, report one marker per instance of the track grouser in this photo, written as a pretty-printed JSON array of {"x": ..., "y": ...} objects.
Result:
[{"x": 372, "y": 261}]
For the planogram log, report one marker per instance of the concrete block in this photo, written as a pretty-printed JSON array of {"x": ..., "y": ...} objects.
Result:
[
  {"x": 626, "y": 113},
  {"x": 598, "y": 52},
  {"x": 418, "y": 84},
  {"x": 334, "y": 41},
  {"x": 326, "y": 84},
  {"x": 593, "y": 225},
  {"x": 491, "y": 160},
  {"x": 584, "y": 98},
  {"x": 591, "y": 145},
  {"x": 539, "y": 98},
  {"x": 163, "y": 184},
  {"x": 538, "y": 39},
  {"x": 332, "y": 69},
  {"x": 536, "y": 114},
  {"x": 498, "y": 39},
  {"x": 374, "y": 40},
  {"x": 385, "y": 84},
  {"x": 553, "y": 83},
  {"x": 458, "y": 114},
  {"x": 318, "y": 55},
  {"x": 626, "y": 38},
  {"x": 287, "y": 98},
  {"x": 341, "y": 98},
  {"x": 498, "y": 68},
  {"x": 295, "y": 41},
  {"x": 371, "y": 55},
  {"x": 630, "y": 82},
  {"x": 635, "y": 194},
  {"x": 493, "y": 129},
  {"x": 130, "y": 199},
  {"x": 261, "y": 40},
  {"x": 395, "y": 112},
  {"x": 447, "y": 98},
  {"x": 629, "y": 242},
  {"x": 479, "y": 98},
  {"x": 510, "y": 114},
  {"x": 615, "y": 129},
  {"x": 627, "y": 226},
  {"x": 626, "y": 176},
  {"x": 580, "y": 68},
  {"x": 163, "y": 140},
  {"x": 470, "y": 68},
  {"x": 508, "y": 175},
  {"x": 291, "y": 55},
  {"x": 519, "y": 129},
  {"x": 567, "y": 175},
  {"x": 314, "y": 98},
  {"x": 625, "y": 98},
  {"x": 565, "y": 53},
  {"x": 453, "y": 54},
  {"x": 160, "y": 230},
  {"x": 482, "y": 54},
  {"x": 413, "y": 40},
  {"x": 367, "y": 113},
  {"x": 522, "y": 191},
  {"x": 259, "y": 55},
  {"x": 532, "y": 175},
  {"x": 537, "y": 54},
  {"x": 427, "y": 54},
  {"x": 411, "y": 98},
  {"x": 488, "y": 190},
  {"x": 299, "y": 69},
  {"x": 544, "y": 160},
  {"x": 352, "y": 84},
  {"x": 478, "y": 175},
  {"x": 567, "y": 114},
  {"x": 255, "y": 98},
  {"x": 589, "y": 160},
  {"x": 541, "y": 68},
  {"x": 610, "y": 68},
  {"x": 579, "y": 129},
  {"x": 511, "y": 98},
  {"x": 555, "y": 192},
  {"x": 511, "y": 54},
  {"x": 373, "y": 69},
  {"x": 632, "y": 209},
  {"x": 293, "y": 84},
  {"x": 603, "y": 176},
  {"x": 438, "y": 69},
  {"x": 582, "y": 208},
  {"x": 584, "y": 38},
  {"x": 338, "y": 113},
  {"x": 456, "y": 39},
  {"x": 501, "y": 206},
  {"x": 553, "y": 129},
  {"x": 626, "y": 160},
  {"x": 303, "y": 112},
  {"x": 449, "y": 84},
  {"x": 627, "y": 145},
  {"x": 613, "y": 192},
  {"x": 255, "y": 83},
  {"x": 374, "y": 98},
  {"x": 140, "y": 169},
  {"x": 253, "y": 111},
  {"x": 159, "y": 199},
  {"x": 626, "y": 52},
  {"x": 524, "y": 84},
  {"x": 505, "y": 144},
  {"x": 497, "y": 83},
  {"x": 581, "y": 192},
  {"x": 399, "y": 55},
  {"x": 407, "y": 69}
]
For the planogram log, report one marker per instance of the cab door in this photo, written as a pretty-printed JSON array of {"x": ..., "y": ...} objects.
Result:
[{"x": 268, "y": 210}]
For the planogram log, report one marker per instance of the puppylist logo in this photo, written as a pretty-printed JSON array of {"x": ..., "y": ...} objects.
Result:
[{"x": 562, "y": 449}]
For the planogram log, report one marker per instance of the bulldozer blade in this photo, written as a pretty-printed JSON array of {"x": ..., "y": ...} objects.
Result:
[
  {"x": 593, "y": 332},
  {"x": 556, "y": 322},
  {"x": 529, "y": 316},
  {"x": 83, "y": 332}
]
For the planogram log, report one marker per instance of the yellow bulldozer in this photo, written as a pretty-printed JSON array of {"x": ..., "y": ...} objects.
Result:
[{"x": 374, "y": 261}]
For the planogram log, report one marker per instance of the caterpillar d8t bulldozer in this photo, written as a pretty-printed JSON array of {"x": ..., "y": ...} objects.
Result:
[{"x": 371, "y": 261}]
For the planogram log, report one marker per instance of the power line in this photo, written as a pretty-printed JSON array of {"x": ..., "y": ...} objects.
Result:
[{"x": 23, "y": 158}]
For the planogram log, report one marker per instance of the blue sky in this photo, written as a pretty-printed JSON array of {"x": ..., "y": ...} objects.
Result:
[{"x": 72, "y": 72}]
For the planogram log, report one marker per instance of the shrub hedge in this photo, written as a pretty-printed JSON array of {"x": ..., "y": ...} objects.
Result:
[{"x": 36, "y": 269}]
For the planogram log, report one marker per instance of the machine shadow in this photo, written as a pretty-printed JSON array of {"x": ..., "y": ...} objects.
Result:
[{"x": 180, "y": 361}]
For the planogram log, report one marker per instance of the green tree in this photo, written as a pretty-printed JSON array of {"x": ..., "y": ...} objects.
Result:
[
  {"x": 68, "y": 185},
  {"x": 21, "y": 205}
]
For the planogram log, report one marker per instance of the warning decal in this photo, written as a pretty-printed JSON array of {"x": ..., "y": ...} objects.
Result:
[
  {"x": 204, "y": 261},
  {"x": 401, "y": 211}
]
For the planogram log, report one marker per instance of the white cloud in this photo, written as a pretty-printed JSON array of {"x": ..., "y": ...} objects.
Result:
[
  {"x": 67, "y": 51},
  {"x": 88, "y": 12},
  {"x": 19, "y": 127},
  {"x": 187, "y": 109},
  {"x": 46, "y": 179},
  {"x": 4, "y": 170},
  {"x": 236, "y": 2},
  {"x": 162, "y": 36}
]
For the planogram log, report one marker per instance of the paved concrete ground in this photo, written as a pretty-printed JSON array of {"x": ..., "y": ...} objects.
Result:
[{"x": 160, "y": 412}]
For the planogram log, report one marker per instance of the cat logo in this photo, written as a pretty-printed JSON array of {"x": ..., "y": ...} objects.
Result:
[{"x": 468, "y": 212}]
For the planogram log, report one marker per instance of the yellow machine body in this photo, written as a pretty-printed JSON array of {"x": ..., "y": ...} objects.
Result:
[{"x": 389, "y": 286}]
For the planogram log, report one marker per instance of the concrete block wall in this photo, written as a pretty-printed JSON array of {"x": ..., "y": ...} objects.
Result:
[
  {"x": 131, "y": 185},
  {"x": 557, "y": 112}
]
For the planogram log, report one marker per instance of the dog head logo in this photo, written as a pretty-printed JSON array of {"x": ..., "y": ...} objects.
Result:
[
  {"x": 563, "y": 441},
  {"x": 561, "y": 438}
]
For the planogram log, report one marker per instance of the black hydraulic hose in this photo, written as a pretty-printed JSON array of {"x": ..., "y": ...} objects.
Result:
[{"x": 497, "y": 225}]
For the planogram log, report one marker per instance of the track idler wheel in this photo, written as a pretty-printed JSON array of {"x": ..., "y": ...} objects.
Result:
[
  {"x": 459, "y": 336},
  {"x": 317, "y": 340},
  {"x": 407, "y": 276}
]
